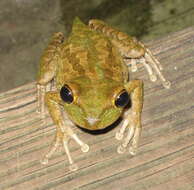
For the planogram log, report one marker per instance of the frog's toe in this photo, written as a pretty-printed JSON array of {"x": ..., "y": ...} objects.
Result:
[
  {"x": 41, "y": 111},
  {"x": 132, "y": 150},
  {"x": 41, "y": 89},
  {"x": 167, "y": 84},
  {"x": 85, "y": 148},
  {"x": 121, "y": 149},
  {"x": 53, "y": 149},
  {"x": 73, "y": 167},
  {"x": 63, "y": 138},
  {"x": 119, "y": 135},
  {"x": 153, "y": 77},
  {"x": 131, "y": 140},
  {"x": 44, "y": 161}
]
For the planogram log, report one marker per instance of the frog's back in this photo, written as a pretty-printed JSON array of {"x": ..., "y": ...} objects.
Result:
[{"x": 90, "y": 54}]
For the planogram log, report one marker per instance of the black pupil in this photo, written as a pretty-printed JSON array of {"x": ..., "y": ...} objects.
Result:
[
  {"x": 66, "y": 94},
  {"x": 122, "y": 100}
]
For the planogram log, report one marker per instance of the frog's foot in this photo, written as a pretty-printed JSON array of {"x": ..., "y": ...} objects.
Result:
[
  {"x": 152, "y": 66},
  {"x": 132, "y": 63},
  {"x": 149, "y": 61},
  {"x": 133, "y": 134},
  {"x": 63, "y": 138}
]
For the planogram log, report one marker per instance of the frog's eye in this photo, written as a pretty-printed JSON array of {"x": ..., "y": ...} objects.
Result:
[
  {"x": 122, "y": 99},
  {"x": 66, "y": 94}
]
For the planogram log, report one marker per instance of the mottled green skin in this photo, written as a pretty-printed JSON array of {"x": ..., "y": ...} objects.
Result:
[
  {"x": 93, "y": 68},
  {"x": 90, "y": 62}
]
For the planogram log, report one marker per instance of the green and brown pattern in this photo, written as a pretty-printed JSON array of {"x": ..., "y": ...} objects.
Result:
[{"x": 92, "y": 84}]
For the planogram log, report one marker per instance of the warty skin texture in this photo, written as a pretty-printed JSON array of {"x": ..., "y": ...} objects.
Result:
[{"x": 92, "y": 64}]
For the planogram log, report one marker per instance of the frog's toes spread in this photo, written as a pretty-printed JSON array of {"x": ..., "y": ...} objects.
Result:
[
  {"x": 155, "y": 64},
  {"x": 151, "y": 64},
  {"x": 63, "y": 139},
  {"x": 132, "y": 124}
]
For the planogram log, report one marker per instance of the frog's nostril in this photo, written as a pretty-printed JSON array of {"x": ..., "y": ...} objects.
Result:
[{"x": 92, "y": 120}]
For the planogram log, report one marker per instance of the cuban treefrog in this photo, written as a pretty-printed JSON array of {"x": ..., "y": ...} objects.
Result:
[{"x": 90, "y": 70}]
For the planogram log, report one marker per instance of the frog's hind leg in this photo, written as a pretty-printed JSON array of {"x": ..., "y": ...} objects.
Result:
[
  {"x": 48, "y": 64},
  {"x": 131, "y": 50}
]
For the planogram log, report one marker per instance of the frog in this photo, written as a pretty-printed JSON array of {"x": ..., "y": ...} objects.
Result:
[{"x": 83, "y": 80}]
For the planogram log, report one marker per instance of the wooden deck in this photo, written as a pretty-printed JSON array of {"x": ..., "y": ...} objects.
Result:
[{"x": 165, "y": 159}]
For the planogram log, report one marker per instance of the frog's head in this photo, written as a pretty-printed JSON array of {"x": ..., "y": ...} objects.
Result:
[{"x": 94, "y": 105}]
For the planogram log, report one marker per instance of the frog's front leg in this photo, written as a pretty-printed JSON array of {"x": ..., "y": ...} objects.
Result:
[
  {"x": 131, "y": 50},
  {"x": 64, "y": 132},
  {"x": 48, "y": 64},
  {"x": 132, "y": 118}
]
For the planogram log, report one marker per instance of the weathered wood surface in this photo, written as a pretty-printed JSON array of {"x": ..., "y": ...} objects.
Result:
[{"x": 166, "y": 154}]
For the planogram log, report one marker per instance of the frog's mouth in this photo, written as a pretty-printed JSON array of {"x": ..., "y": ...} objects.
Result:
[
  {"x": 93, "y": 121},
  {"x": 105, "y": 119},
  {"x": 104, "y": 130}
]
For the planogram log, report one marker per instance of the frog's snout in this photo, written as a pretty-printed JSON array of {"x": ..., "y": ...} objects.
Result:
[{"x": 92, "y": 120}]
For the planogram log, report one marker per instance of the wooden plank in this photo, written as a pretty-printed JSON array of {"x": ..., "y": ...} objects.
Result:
[{"x": 166, "y": 155}]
